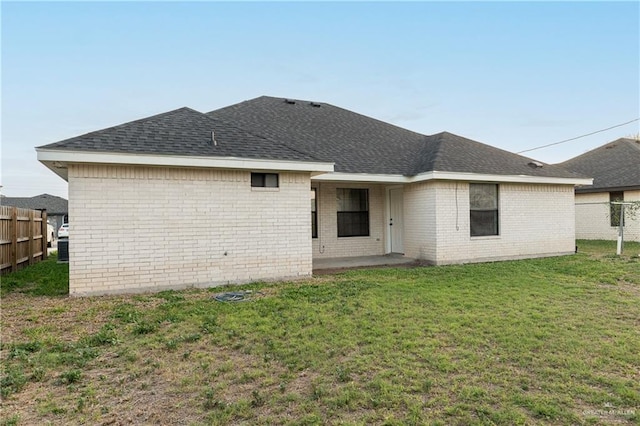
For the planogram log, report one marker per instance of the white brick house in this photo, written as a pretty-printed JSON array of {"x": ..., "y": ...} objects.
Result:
[
  {"x": 259, "y": 189},
  {"x": 615, "y": 168}
]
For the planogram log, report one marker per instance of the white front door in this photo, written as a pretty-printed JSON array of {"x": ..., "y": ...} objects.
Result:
[{"x": 396, "y": 225}]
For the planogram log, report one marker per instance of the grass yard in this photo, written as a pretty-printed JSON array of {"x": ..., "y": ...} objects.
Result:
[{"x": 543, "y": 341}]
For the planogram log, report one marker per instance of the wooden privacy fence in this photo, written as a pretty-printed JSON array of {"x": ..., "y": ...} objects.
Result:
[{"x": 23, "y": 238}]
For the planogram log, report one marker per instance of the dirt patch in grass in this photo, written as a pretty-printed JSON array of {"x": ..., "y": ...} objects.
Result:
[
  {"x": 61, "y": 318},
  {"x": 155, "y": 383},
  {"x": 542, "y": 341}
]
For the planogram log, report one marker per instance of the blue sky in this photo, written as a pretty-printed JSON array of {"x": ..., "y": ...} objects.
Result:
[{"x": 513, "y": 75}]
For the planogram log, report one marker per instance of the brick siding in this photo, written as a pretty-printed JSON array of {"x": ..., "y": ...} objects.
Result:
[
  {"x": 328, "y": 244},
  {"x": 594, "y": 223},
  {"x": 534, "y": 220},
  {"x": 135, "y": 229}
]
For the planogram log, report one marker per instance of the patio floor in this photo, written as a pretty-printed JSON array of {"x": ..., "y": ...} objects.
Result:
[{"x": 330, "y": 264}]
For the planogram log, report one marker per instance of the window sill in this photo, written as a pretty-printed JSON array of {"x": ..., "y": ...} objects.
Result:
[
  {"x": 487, "y": 237},
  {"x": 357, "y": 236},
  {"x": 261, "y": 189}
]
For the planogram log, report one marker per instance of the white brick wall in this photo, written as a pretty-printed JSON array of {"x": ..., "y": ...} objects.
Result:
[
  {"x": 593, "y": 221},
  {"x": 142, "y": 228},
  {"x": 328, "y": 244},
  {"x": 420, "y": 232},
  {"x": 535, "y": 220},
  {"x": 135, "y": 228}
]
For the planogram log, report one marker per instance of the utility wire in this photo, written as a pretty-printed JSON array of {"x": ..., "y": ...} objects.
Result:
[{"x": 582, "y": 136}]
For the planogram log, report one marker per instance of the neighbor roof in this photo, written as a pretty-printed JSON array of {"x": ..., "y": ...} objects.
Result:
[
  {"x": 360, "y": 144},
  {"x": 51, "y": 203},
  {"x": 614, "y": 166},
  {"x": 268, "y": 128}
]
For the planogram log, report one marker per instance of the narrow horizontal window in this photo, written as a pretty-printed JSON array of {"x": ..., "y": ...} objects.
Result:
[{"x": 264, "y": 180}]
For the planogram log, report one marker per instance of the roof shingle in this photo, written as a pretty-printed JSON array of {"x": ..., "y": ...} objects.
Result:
[
  {"x": 360, "y": 144},
  {"x": 614, "y": 166},
  {"x": 181, "y": 132},
  {"x": 284, "y": 129},
  {"x": 51, "y": 203}
]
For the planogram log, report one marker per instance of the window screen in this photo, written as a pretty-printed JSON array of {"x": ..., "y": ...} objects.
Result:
[
  {"x": 614, "y": 210},
  {"x": 314, "y": 213},
  {"x": 483, "y": 200},
  {"x": 264, "y": 180},
  {"x": 353, "y": 212}
]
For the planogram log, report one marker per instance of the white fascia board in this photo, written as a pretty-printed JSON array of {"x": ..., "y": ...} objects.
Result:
[
  {"x": 469, "y": 177},
  {"x": 50, "y": 156},
  {"x": 479, "y": 177},
  {"x": 362, "y": 177}
]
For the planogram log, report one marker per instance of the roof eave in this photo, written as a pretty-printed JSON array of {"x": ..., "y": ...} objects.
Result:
[
  {"x": 457, "y": 176},
  {"x": 590, "y": 189},
  {"x": 58, "y": 160}
]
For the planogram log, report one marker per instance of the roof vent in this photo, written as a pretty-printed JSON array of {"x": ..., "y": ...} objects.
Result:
[
  {"x": 315, "y": 104},
  {"x": 289, "y": 101},
  {"x": 213, "y": 139},
  {"x": 535, "y": 164}
]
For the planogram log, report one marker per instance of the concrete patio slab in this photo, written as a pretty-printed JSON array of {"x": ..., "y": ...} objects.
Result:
[{"x": 331, "y": 264}]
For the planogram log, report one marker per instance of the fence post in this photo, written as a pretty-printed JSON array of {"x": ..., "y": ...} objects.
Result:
[
  {"x": 45, "y": 234},
  {"x": 14, "y": 239},
  {"x": 31, "y": 236}
]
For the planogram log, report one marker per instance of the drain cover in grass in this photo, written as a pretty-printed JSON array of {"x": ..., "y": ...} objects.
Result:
[{"x": 232, "y": 296}]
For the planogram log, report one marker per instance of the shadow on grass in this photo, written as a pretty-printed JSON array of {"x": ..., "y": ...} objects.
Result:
[
  {"x": 47, "y": 278},
  {"x": 50, "y": 278},
  {"x": 608, "y": 248}
]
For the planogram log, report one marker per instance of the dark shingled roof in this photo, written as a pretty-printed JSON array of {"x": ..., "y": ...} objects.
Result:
[
  {"x": 446, "y": 152},
  {"x": 356, "y": 143},
  {"x": 283, "y": 129},
  {"x": 360, "y": 144},
  {"x": 614, "y": 166},
  {"x": 51, "y": 203},
  {"x": 181, "y": 132}
]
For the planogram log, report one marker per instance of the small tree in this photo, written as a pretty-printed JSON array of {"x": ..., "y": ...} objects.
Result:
[{"x": 626, "y": 211}]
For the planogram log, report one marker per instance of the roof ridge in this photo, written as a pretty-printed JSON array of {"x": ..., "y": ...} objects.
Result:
[
  {"x": 594, "y": 151},
  {"x": 282, "y": 144},
  {"x": 635, "y": 143},
  {"x": 444, "y": 133},
  {"x": 358, "y": 143},
  {"x": 239, "y": 103},
  {"x": 123, "y": 124},
  {"x": 425, "y": 155},
  {"x": 438, "y": 151},
  {"x": 371, "y": 118},
  {"x": 386, "y": 123}
]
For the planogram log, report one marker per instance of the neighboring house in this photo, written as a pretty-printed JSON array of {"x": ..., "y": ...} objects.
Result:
[
  {"x": 57, "y": 207},
  {"x": 259, "y": 189},
  {"x": 615, "y": 168}
]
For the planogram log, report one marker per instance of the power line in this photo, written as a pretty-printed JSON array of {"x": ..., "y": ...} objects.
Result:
[{"x": 582, "y": 136}]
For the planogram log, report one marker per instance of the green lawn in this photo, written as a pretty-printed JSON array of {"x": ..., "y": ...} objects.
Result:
[
  {"x": 543, "y": 341},
  {"x": 46, "y": 278}
]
